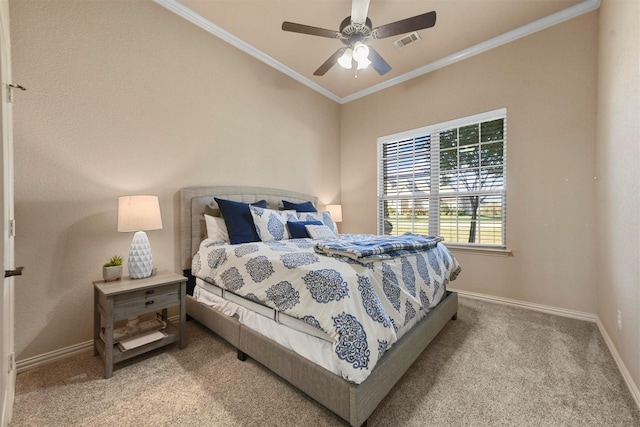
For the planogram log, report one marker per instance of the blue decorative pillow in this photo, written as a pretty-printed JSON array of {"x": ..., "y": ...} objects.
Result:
[
  {"x": 297, "y": 229},
  {"x": 239, "y": 221},
  {"x": 271, "y": 224},
  {"x": 299, "y": 207},
  {"x": 324, "y": 217}
]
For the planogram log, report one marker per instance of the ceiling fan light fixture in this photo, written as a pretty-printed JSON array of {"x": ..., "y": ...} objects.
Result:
[
  {"x": 363, "y": 63},
  {"x": 360, "y": 51},
  {"x": 345, "y": 59},
  {"x": 357, "y": 28}
]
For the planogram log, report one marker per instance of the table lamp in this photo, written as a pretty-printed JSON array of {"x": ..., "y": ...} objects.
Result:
[
  {"x": 336, "y": 212},
  {"x": 139, "y": 213}
]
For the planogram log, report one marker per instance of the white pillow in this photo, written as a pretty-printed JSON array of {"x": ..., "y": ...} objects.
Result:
[
  {"x": 320, "y": 232},
  {"x": 216, "y": 229},
  {"x": 323, "y": 217},
  {"x": 271, "y": 224}
]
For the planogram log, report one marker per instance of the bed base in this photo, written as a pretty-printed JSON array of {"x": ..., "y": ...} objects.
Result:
[{"x": 352, "y": 402}]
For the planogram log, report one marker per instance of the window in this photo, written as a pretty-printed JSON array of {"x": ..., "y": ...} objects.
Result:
[{"x": 447, "y": 179}]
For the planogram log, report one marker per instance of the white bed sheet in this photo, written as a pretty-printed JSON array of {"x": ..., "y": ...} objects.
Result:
[
  {"x": 308, "y": 346},
  {"x": 312, "y": 348}
]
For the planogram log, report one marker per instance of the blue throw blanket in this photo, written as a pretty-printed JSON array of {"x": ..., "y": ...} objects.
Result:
[{"x": 369, "y": 246}]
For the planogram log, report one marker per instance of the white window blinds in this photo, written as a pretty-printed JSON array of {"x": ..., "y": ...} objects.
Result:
[{"x": 447, "y": 179}]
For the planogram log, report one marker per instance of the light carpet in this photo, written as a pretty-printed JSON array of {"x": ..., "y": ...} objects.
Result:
[{"x": 494, "y": 366}]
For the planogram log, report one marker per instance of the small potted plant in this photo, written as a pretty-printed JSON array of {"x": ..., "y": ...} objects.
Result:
[{"x": 112, "y": 269}]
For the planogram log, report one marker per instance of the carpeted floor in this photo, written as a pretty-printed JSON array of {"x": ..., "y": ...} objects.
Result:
[{"x": 495, "y": 366}]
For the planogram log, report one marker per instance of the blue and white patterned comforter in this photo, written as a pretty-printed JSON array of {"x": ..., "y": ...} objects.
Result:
[{"x": 360, "y": 305}]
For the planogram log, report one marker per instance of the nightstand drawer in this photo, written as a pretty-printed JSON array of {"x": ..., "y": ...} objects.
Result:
[
  {"x": 147, "y": 293},
  {"x": 145, "y": 305}
]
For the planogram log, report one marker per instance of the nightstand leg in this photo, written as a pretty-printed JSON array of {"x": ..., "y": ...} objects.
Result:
[
  {"x": 183, "y": 315},
  {"x": 96, "y": 323},
  {"x": 108, "y": 335}
]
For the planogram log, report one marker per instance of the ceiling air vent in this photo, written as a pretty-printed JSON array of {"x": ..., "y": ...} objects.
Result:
[{"x": 407, "y": 40}]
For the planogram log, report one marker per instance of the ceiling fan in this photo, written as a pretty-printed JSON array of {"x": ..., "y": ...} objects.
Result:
[{"x": 355, "y": 32}]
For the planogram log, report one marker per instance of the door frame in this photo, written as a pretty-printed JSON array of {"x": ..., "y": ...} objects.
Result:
[{"x": 7, "y": 352}]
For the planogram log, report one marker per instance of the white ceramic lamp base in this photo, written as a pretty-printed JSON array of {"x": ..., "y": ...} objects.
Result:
[{"x": 140, "y": 262}]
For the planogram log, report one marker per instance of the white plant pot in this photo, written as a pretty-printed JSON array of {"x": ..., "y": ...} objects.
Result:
[{"x": 110, "y": 274}]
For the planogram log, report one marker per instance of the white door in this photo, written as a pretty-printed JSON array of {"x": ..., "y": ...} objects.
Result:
[{"x": 8, "y": 373}]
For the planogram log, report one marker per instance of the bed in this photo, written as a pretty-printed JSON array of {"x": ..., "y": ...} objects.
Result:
[{"x": 349, "y": 394}]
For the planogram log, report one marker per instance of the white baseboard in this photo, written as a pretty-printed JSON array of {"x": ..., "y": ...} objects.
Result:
[
  {"x": 580, "y": 315},
  {"x": 63, "y": 353},
  {"x": 633, "y": 388},
  {"x": 589, "y": 317},
  {"x": 53, "y": 356}
]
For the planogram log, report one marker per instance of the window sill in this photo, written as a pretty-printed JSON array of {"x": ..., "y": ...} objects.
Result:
[{"x": 479, "y": 250}]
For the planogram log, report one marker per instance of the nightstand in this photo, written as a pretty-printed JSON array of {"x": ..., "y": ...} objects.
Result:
[{"x": 129, "y": 298}]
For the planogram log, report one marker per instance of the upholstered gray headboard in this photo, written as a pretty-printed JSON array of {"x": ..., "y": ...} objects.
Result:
[{"x": 195, "y": 201}]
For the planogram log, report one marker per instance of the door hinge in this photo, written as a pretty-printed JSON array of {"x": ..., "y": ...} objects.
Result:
[
  {"x": 12, "y": 362},
  {"x": 15, "y": 272},
  {"x": 12, "y": 228},
  {"x": 10, "y": 88}
]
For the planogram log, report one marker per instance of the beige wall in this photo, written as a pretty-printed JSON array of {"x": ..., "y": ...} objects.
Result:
[
  {"x": 547, "y": 81},
  {"x": 126, "y": 98},
  {"x": 618, "y": 185}
]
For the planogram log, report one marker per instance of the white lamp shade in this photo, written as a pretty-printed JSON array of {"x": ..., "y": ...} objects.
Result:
[
  {"x": 336, "y": 212},
  {"x": 363, "y": 63},
  {"x": 360, "y": 51},
  {"x": 345, "y": 59},
  {"x": 139, "y": 212}
]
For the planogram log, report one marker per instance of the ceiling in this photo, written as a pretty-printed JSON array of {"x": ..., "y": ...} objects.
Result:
[{"x": 463, "y": 28}]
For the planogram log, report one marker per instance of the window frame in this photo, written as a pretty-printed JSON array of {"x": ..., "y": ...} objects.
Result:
[{"x": 432, "y": 134}]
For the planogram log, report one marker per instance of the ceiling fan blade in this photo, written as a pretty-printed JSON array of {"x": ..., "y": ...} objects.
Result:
[
  {"x": 377, "y": 62},
  {"x": 329, "y": 62},
  {"x": 359, "y": 10},
  {"x": 419, "y": 22},
  {"x": 307, "y": 29}
]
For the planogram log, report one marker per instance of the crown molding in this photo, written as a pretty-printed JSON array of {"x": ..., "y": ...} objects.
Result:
[{"x": 563, "y": 15}]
